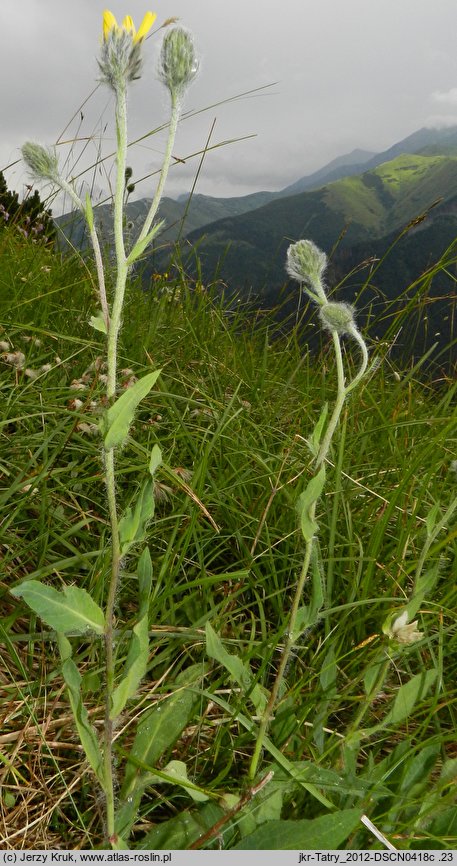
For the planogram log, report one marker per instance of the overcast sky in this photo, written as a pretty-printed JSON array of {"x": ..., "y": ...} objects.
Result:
[{"x": 343, "y": 74}]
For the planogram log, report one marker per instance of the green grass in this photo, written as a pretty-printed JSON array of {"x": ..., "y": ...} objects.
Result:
[{"x": 231, "y": 413}]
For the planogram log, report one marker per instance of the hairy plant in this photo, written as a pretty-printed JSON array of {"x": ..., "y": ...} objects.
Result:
[{"x": 72, "y": 610}]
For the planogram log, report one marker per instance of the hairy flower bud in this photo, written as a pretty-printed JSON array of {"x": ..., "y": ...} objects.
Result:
[
  {"x": 41, "y": 161},
  {"x": 337, "y": 317},
  {"x": 178, "y": 64},
  {"x": 307, "y": 263},
  {"x": 120, "y": 58}
]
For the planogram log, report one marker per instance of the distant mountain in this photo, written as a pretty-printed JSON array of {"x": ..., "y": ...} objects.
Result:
[
  {"x": 183, "y": 217},
  {"x": 342, "y": 166},
  {"x": 353, "y": 209},
  {"x": 247, "y": 251}
]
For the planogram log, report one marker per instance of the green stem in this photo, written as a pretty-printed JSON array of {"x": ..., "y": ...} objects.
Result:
[
  {"x": 366, "y": 704},
  {"x": 113, "y": 335},
  {"x": 67, "y": 187},
  {"x": 342, "y": 392},
  {"x": 288, "y": 647},
  {"x": 108, "y": 639},
  {"x": 339, "y": 403},
  {"x": 173, "y": 125},
  {"x": 122, "y": 268}
]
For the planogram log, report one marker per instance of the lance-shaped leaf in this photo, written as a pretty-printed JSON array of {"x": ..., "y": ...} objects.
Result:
[
  {"x": 315, "y": 439},
  {"x": 135, "y": 667},
  {"x": 72, "y": 610},
  {"x": 158, "y": 730},
  {"x": 306, "y": 500},
  {"x": 141, "y": 245},
  {"x": 87, "y": 735},
  {"x": 116, "y": 424},
  {"x": 304, "y": 834},
  {"x": 132, "y": 525},
  {"x": 89, "y": 213},
  {"x": 155, "y": 459},
  {"x": 144, "y": 572},
  {"x": 236, "y": 668},
  {"x": 309, "y": 614}
]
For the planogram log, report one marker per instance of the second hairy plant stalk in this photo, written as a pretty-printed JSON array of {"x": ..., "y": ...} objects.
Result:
[{"x": 307, "y": 263}]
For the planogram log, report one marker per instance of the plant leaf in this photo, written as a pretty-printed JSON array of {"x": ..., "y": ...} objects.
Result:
[
  {"x": 116, "y": 424},
  {"x": 179, "y": 832},
  {"x": 140, "y": 246},
  {"x": 176, "y": 771},
  {"x": 236, "y": 668},
  {"x": 309, "y": 614},
  {"x": 155, "y": 459},
  {"x": 303, "y": 835},
  {"x": 315, "y": 438},
  {"x": 132, "y": 525},
  {"x": 135, "y": 667},
  {"x": 158, "y": 730},
  {"x": 423, "y": 587},
  {"x": 98, "y": 322},
  {"x": 310, "y": 495},
  {"x": 89, "y": 213},
  {"x": 144, "y": 570},
  {"x": 72, "y": 610},
  {"x": 87, "y": 734},
  {"x": 409, "y": 695}
]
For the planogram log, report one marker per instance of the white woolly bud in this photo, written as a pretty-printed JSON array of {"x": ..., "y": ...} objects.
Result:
[
  {"x": 178, "y": 64},
  {"x": 41, "y": 161},
  {"x": 307, "y": 263},
  {"x": 337, "y": 317}
]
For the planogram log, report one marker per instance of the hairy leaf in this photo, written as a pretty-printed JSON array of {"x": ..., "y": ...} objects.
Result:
[
  {"x": 303, "y": 835},
  {"x": 310, "y": 495},
  {"x": 116, "y": 424},
  {"x": 72, "y": 610},
  {"x": 87, "y": 734},
  {"x": 135, "y": 667}
]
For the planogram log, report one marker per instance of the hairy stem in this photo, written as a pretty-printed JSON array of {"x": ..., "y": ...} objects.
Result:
[
  {"x": 113, "y": 335},
  {"x": 175, "y": 112},
  {"x": 67, "y": 187},
  {"x": 342, "y": 392}
]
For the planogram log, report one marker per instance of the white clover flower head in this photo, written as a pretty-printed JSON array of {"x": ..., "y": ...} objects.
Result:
[
  {"x": 404, "y": 632},
  {"x": 120, "y": 59},
  {"x": 178, "y": 63},
  {"x": 453, "y": 468},
  {"x": 41, "y": 161},
  {"x": 307, "y": 264},
  {"x": 337, "y": 317}
]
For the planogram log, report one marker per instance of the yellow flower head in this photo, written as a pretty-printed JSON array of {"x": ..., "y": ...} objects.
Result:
[
  {"x": 110, "y": 23},
  {"x": 120, "y": 57}
]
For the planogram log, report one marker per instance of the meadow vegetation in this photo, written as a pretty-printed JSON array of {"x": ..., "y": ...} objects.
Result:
[
  {"x": 177, "y": 682},
  {"x": 231, "y": 412}
]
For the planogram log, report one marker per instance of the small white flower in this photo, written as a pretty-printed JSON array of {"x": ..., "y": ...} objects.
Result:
[{"x": 404, "y": 632}]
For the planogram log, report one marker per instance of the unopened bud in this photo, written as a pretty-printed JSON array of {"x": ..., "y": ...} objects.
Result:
[
  {"x": 306, "y": 263},
  {"x": 178, "y": 64},
  {"x": 337, "y": 317},
  {"x": 41, "y": 161}
]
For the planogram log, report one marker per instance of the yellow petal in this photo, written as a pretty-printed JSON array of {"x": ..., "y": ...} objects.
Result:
[
  {"x": 145, "y": 25},
  {"x": 128, "y": 25},
  {"x": 109, "y": 23}
]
